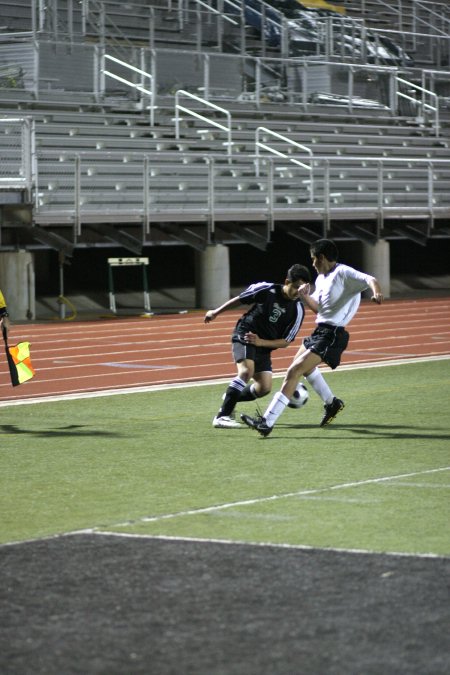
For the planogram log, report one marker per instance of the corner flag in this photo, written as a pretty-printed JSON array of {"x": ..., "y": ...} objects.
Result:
[{"x": 19, "y": 361}]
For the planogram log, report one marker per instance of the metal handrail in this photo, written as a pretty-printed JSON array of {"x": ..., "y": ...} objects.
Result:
[
  {"x": 217, "y": 12},
  {"x": 188, "y": 111},
  {"x": 431, "y": 12},
  {"x": 263, "y": 146},
  {"x": 400, "y": 13},
  {"x": 422, "y": 103},
  {"x": 139, "y": 87}
]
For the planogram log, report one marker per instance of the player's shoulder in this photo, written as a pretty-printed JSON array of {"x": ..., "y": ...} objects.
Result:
[
  {"x": 342, "y": 268},
  {"x": 258, "y": 287},
  {"x": 351, "y": 272}
]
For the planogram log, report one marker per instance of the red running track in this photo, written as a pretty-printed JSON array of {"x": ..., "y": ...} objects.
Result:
[{"x": 124, "y": 353}]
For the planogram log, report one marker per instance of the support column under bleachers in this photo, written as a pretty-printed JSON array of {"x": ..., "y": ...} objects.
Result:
[
  {"x": 212, "y": 277},
  {"x": 376, "y": 261},
  {"x": 17, "y": 282}
]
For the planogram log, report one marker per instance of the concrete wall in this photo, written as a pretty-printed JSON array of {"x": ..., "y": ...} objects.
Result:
[{"x": 17, "y": 281}]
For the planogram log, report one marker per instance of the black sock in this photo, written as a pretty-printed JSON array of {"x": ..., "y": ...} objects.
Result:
[
  {"x": 247, "y": 394},
  {"x": 229, "y": 402}
]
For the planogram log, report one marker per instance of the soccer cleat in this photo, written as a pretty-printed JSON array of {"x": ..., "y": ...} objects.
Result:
[
  {"x": 226, "y": 423},
  {"x": 258, "y": 423},
  {"x": 331, "y": 410}
]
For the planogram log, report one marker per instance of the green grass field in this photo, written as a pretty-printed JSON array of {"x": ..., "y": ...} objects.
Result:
[{"x": 378, "y": 478}]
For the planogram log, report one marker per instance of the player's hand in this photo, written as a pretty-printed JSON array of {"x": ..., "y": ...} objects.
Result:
[
  {"x": 252, "y": 338},
  {"x": 304, "y": 289},
  {"x": 378, "y": 298},
  {"x": 5, "y": 323},
  {"x": 209, "y": 316}
]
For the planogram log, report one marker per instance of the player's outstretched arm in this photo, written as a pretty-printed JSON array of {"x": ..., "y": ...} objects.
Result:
[{"x": 211, "y": 314}]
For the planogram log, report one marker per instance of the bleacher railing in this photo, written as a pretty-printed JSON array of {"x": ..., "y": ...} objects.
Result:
[
  {"x": 297, "y": 81},
  {"x": 17, "y": 152},
  {"x": 158, "y": 187},
  {"x": 306, "y": 82},
  {"x": 426, "y": 28},
  {"x": 423, "y": 104},
  {"x": 179, "y": 109},
  {"x": 261, "y": 143},
  {"x": 145, "y": 93}
]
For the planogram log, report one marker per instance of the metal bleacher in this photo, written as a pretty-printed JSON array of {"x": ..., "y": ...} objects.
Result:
[{"x": 101, "y": 168}]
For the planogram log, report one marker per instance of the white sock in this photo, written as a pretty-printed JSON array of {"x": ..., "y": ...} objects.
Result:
[
  {"x": 275, "y": 408},
  {"x": 317, "y": 382}
]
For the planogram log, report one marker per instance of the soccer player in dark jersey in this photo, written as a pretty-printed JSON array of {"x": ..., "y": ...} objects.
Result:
[{"x": 272, "y": 322}]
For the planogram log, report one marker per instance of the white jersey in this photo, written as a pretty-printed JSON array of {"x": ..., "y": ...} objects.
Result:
[{"x": 338, "y": 294}]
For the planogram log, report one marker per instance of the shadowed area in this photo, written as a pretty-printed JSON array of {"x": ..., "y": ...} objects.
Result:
[{"x": 108, "y": 604}]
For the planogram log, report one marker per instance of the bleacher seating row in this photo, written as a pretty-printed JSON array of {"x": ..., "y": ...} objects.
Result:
[{"x": 100, "y": 162}]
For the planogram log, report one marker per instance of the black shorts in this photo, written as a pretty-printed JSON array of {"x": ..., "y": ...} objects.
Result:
[
  {"x": 328, "y": 342},
  {"x": 260, "y": 355}
]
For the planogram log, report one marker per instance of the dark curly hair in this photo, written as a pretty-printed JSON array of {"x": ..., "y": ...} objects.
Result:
[
  {"x": 325, "y": 247},
  {"x": 297, "y": 272}
]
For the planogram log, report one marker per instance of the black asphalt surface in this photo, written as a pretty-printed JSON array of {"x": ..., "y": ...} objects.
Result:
[{"x": 93, "y": 603}]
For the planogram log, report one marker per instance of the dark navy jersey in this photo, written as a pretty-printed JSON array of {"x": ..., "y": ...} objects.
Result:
[{"x": 272, "y": 315}]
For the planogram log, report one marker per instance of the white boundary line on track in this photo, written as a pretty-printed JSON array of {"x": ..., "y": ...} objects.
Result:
[{"x": 202, "y": 383}]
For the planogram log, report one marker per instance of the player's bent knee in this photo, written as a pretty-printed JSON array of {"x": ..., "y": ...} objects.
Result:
[{"x": 295, "y": 371}]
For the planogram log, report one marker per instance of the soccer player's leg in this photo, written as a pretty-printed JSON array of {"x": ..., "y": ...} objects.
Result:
[
  {"x": 262, "y": 378},
  {"x": 305, "y": 361},
  {"x": 245, "y": 370},
  {"x": 329, "y": 344}
]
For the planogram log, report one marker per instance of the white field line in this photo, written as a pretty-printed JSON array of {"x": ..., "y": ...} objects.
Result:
[
  {"x": 273, "y": 498},
  {"x": 202, "y": 382},
  {"x": 102, "y": 531},
  {"x": 225, "y": 542},
  {"x": 427, "y": 486},
  {"x": 263, "y": 544}
]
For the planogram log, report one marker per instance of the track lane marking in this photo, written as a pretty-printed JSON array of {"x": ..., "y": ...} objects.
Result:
[{"x": 137, "y": 388}]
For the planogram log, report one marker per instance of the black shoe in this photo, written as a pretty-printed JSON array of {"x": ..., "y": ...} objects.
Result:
[
  {"x": 331, "y": 410},
  {"x": 257, "y": 423}
]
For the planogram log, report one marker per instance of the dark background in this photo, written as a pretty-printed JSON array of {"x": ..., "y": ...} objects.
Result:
[{"x": 174, "y": 266}]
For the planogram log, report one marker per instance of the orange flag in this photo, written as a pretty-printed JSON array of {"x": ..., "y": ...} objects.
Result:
[{"x": 19, "y": 361}]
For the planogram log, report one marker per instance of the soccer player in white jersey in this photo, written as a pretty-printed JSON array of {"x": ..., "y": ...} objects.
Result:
[
  {"x": 272, "y": 322},
  {"x": 335, "y": 301}
]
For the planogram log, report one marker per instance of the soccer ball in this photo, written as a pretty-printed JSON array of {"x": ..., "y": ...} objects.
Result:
[{"x": 299, "y": 398}]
